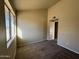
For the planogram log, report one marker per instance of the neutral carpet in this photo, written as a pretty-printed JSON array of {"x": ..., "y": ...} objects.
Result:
[{"x": 45, "y": 50}]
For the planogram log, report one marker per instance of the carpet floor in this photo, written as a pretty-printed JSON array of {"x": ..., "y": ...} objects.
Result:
[{"x": 44, "y": 50}]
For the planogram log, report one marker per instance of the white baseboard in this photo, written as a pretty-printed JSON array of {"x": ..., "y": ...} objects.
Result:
[
  {"x": 25, "y": 43},
  {"x": 69, "y": 49},
  {"x": 37, "y": 41}
]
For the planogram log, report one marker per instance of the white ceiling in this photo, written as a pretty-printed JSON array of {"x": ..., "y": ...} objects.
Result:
[{"x": 33, "y": 4}]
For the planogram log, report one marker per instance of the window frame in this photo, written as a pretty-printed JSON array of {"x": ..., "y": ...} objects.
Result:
[
  {"x": 9, "y": 20},
  {"x": 11, "y": 14}
]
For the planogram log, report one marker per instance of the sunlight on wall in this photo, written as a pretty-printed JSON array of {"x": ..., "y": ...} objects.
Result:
[{"x": 19, "y": 33}]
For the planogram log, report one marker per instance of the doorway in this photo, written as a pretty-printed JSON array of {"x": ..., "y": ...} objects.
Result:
[
  {"x": 53, "y": 30},
  {"x": 56, "y": 31}
]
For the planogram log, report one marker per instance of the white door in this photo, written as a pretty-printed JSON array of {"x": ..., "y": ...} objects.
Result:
[{"x": 52, "y": 30}]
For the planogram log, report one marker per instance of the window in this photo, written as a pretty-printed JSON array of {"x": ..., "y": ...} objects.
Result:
[
  {"x": 7, "y": 21},
  {"x": 10, "y": 24}
]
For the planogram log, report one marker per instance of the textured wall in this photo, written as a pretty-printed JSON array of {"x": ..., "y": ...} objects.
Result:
[{"x": 68, "y": 31}]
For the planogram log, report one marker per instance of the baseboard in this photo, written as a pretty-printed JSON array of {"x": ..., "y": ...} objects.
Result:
[
  {"x": 26, "y": 43},
  {"x": 69, "y": 49},
  {"x": 37, "y": 41}
]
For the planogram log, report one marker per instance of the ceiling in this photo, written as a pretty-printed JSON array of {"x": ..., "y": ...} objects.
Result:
[{"x": 33, "y": 4}]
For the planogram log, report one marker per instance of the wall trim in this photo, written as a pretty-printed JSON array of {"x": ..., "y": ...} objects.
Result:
[
  {"x": 68, "y": 48},
  {"x": 25, "y": 43}
]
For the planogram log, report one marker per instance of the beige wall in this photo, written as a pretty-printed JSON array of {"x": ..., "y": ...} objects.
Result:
[
  {"x": 32, "y": 26},
  {"x": 67, "y": 11}
]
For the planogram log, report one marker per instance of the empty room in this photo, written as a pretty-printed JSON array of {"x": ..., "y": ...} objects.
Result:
[{"x": 39, "y": 29}]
